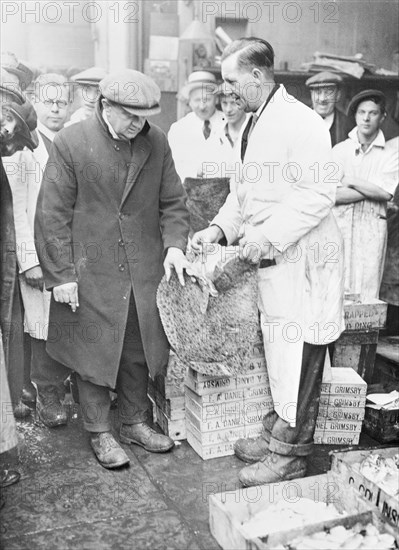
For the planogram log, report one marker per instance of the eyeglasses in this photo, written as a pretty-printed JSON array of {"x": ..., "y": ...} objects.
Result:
[{"x": 61, "y": 104}]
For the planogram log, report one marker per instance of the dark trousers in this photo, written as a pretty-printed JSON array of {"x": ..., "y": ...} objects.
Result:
[
  {"x": 45, "y": 371},
  {"x": 131, "y": 385},
  {"x": 298, "y": 441}
]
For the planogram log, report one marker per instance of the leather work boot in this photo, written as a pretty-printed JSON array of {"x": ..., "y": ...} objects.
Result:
[
  {"x": 257, "y": 448},
  {"x": 49, "y": 408},
  {"x": 272, "y": 469},
  {"x": 108, "y": 451},
  {"x": 142, "y": 434}
]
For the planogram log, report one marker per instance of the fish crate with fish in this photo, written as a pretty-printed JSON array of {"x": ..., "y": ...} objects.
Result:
[
  {"x": 317, "y": 512},
  {"x": 374, "y": 473}
]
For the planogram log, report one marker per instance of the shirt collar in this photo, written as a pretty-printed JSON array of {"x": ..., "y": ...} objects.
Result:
[
  {"x": 107, "y": 122},
  {"x": 45, "y": 131},
  {"x": 378, "y": 142}
]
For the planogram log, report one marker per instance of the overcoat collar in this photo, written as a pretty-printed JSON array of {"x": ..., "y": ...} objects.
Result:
[{"x": 141, "y": 150}]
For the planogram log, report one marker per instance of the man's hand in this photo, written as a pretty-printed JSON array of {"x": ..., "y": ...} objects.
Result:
[
  {"x": 211, "y": 234},
  {"x": 34, "y": 277},
  {"x": 254, "y": 246},
  {"x": 175, "y": 259},
  {"x": 67, "y": 294}
]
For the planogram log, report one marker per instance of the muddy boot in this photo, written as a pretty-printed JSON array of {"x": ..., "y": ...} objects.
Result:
[
  {"x": 256, "y": 449},
  {"x": 273, "y": 468}
]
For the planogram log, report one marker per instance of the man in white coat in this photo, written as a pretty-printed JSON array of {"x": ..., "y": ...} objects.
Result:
[
  {"x": 280, "y": 212},
  {"x": 51, "y": 103},
  {"x": 188, "y": 136}
]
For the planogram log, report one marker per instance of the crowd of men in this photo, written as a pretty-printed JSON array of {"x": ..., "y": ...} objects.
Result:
[{"x": 99, "y": 216}]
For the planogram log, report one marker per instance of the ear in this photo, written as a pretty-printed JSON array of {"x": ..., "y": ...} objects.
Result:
[{"x": 257, "y": 73}]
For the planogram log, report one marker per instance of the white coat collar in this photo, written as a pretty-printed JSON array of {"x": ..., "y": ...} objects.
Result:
[
  {"x": 45, "y": 131},
  {"x": 378, "y": 142}
]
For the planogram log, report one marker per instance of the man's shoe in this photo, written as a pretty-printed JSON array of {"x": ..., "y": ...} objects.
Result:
[
  {"x": 28, "y": 396},
  {"x": 142, "y": 434},
  {"x": 251, "y": 449},
  {"x": 108, "y": 451},
  {"x": 21, "y": 411},
  {"x": 50, "y": 409},
  {"x": 273, "y": 469},
  {"x": 8, "y": 477}
]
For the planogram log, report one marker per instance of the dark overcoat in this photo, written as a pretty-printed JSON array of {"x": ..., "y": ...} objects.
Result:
[{"x": 107, "y": 212}]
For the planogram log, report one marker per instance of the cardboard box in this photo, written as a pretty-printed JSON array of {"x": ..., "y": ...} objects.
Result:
[
  {"x": 176, "y": 429},
  {"x": 338, "y": 426},
  {"x": 345, "y": 464},
  {"x": 342, "y": 401},
  {"x": 365, "y": 315},
  {"x": 228, "y": 510}
]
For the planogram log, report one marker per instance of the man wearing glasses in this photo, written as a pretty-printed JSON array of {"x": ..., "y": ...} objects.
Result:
[{"x": 51, "y": 102}]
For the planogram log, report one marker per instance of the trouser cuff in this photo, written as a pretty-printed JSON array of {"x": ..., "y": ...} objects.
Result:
[
  {"x": 289, "y": 449},
  {"x": 100, "y": 427}
]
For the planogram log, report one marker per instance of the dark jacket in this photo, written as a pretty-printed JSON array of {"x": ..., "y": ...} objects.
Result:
[
  {"x": 10, "y": 305},
  {"x": 105, "y": 218},
  {"x": 340, "y": 127}
]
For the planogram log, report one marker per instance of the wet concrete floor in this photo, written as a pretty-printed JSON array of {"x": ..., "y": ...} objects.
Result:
[{"x": 65, "y": 499}]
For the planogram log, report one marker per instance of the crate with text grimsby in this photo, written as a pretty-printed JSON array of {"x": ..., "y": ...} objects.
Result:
[
  {"x": 357, "y": 345},
  {"x": 341, "y": 409},
  {"x": 220, "y": 410}
]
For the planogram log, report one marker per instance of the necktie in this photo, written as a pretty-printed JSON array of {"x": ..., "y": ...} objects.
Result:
[
  {"x": 247, "y": 132},
  {"x": 206, "y": 129}
]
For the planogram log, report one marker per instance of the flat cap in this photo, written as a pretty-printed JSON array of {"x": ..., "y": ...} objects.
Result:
[
  {"x": 198, "y": 79},
  {"x": 89, "y": 77},
  {"x": 10, "y": 63},
  {"x": 136, "y": 92},
  {"x": 27, "y": 117},
  {"x": 325, "y": 78},
  {"x": 363, "y": 96}
]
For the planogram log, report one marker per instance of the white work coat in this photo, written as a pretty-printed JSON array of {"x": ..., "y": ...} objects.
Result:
[
  {"x": 286, "y": 188},
  {"x": 188, "y": 144},
  {"x": 25, "y": 177}
]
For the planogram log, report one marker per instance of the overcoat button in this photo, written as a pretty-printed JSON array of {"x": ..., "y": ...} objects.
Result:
[{"x": 121, "y": 267}]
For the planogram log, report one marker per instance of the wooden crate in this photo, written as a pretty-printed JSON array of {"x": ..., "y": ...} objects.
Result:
[
  {"x": 322, "y": 437},
  {"x": 345, "y": 382},
  {"x": 176, "y": 429},
  {"x": 368, "y": 315},
  {"x": 356, "y": 350},
  {"x": 332, "y": 412},
  {"x": 343, "y": 465},
  {"x": 228, "y": 510},
  {"x": 382, "y": 424}
]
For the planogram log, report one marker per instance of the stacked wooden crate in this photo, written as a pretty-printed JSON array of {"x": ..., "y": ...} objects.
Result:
[
  {"x": 167, "y": 396},
  {"x": 220, "y": 410},
  {"x": 356, "y": 347},
  {"x": 342, "y": 408}
]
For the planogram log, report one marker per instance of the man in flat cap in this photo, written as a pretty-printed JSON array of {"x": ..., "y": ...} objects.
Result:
[
  {"x": 110, "y": 221},
  {"x": 368, "y": 174},
  {"x": 86, "y": 84},
  {"x": 188, "y": 136},
  {"x": 325, "y": 92}
]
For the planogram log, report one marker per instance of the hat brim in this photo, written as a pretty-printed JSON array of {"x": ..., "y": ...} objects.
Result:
[
  {"x": 324, "y": 84},
  {"x": 141, "y": 112},
  {"x": 211, "y": 88},
  {"x": 30, "y": 137},
  {"x": 363, "y": 96}
]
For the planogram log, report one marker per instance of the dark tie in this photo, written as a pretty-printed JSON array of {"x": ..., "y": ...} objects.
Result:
[
  {"x": 246, "y": 134},
  {"x": 206, "y": 129}
]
